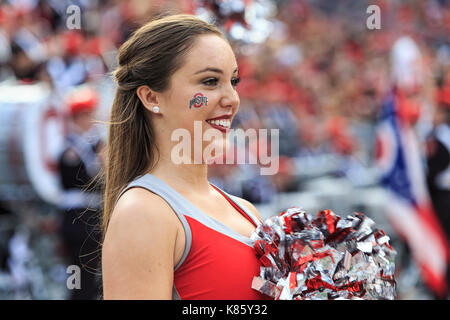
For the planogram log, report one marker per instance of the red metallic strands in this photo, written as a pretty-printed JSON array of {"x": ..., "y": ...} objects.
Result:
[
  {"x": 330, "y": 220},
  {"x": 312, "y": 257},
  {"x": 292, "y": 280},
  {"x": 323, "y": 258}
]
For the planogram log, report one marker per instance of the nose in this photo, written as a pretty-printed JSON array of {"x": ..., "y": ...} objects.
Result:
[{"x": 230, "y": 98}]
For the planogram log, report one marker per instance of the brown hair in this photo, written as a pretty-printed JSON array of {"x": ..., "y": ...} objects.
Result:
[{"x": 149, "y": 57}]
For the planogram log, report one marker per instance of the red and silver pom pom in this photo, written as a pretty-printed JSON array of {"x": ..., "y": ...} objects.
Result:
[{"x": 323, "y": 258}]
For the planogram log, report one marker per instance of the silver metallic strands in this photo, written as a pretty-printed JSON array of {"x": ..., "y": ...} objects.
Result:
[{"x": 323, "y": 258}]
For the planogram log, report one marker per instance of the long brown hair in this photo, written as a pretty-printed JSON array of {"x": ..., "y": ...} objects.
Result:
[{"x": 149, "y": 57}]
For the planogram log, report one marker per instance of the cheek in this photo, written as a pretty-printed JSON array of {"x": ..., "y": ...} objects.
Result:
[
  {"x": 188, "y": 107},
  {"x": 199, "y": 101}
]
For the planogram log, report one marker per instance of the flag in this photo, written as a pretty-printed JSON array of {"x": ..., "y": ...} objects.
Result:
[{"x": 409, "y": 207}]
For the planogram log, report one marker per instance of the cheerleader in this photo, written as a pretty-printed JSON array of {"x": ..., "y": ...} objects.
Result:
[{"x": 168, "y": 232}]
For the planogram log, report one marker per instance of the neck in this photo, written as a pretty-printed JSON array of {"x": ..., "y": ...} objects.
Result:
[{"x": 186, "y": 178}]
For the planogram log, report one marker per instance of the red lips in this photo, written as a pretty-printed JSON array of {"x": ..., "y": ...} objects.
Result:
[{"x": 225, "y": 116}]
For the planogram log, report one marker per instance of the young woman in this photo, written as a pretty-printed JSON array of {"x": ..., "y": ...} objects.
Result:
[{"x": 169, "y": 233}]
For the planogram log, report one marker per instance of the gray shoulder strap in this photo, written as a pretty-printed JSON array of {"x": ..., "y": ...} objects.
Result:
[
  {"x": 182, "y": 208},
  {"x": 158, "y": 187},
  {"x": 238, "y": 202}
]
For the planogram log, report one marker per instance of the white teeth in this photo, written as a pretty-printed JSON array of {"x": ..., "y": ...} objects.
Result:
[{"x": 222, "y": 123}]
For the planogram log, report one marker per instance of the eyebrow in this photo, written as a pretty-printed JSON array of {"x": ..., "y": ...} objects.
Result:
[{"x": 213, "y": 70}]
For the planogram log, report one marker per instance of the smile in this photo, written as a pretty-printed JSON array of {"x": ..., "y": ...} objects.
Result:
[{"x": 222, "y": 125}]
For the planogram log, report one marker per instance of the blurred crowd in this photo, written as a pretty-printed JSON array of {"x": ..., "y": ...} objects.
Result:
[
  {"x": 322, "y": 79},
  {"x": 318, "y": 74}
]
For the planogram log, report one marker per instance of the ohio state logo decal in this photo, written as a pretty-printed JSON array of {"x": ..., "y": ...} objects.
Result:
[{"x": 198, "y": 100}]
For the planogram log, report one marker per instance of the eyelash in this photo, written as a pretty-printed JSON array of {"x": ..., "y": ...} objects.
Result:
[{"x": 234, "y": 81}]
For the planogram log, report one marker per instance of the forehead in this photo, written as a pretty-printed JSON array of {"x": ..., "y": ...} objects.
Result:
[{"x": 210, "y": 51}]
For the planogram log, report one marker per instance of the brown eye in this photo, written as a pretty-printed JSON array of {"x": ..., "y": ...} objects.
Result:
[
  {"x": 210, "y": 82},
  {"x": 235, "y": 81}
]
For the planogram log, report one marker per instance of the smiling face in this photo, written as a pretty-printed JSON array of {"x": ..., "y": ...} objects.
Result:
[{"x": 203, "y": 89}]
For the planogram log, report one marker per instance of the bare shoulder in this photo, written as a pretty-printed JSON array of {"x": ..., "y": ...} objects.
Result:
[
  {"x": 138, "y": 248},
  {"x": 251, "y": 207},
  {"x": 140, "y": 198},
  {"x": 139, "y": 208}
]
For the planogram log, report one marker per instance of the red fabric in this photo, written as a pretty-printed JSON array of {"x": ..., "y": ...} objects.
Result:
[
  {"x": 217, "y": 267},
  {"x": 237, "y": 208}
]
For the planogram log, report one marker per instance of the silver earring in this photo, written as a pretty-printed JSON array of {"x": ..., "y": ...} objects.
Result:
[{"x": 156, "y": 109}]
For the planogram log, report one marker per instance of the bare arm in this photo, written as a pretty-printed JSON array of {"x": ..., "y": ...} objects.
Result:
[{"x": 138, "y": 250}]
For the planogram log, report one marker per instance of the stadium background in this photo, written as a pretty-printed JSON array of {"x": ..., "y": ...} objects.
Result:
[{"x": 312, "y": 69}]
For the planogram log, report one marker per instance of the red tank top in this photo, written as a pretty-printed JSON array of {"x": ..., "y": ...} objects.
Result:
[{"x": 218, "y": 263}]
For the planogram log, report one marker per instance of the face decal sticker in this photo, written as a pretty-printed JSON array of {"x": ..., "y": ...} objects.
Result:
[{"x": 198, "y": 100}]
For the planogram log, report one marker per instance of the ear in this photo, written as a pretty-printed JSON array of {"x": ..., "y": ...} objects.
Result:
[{"x": 148, "y": 97}]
